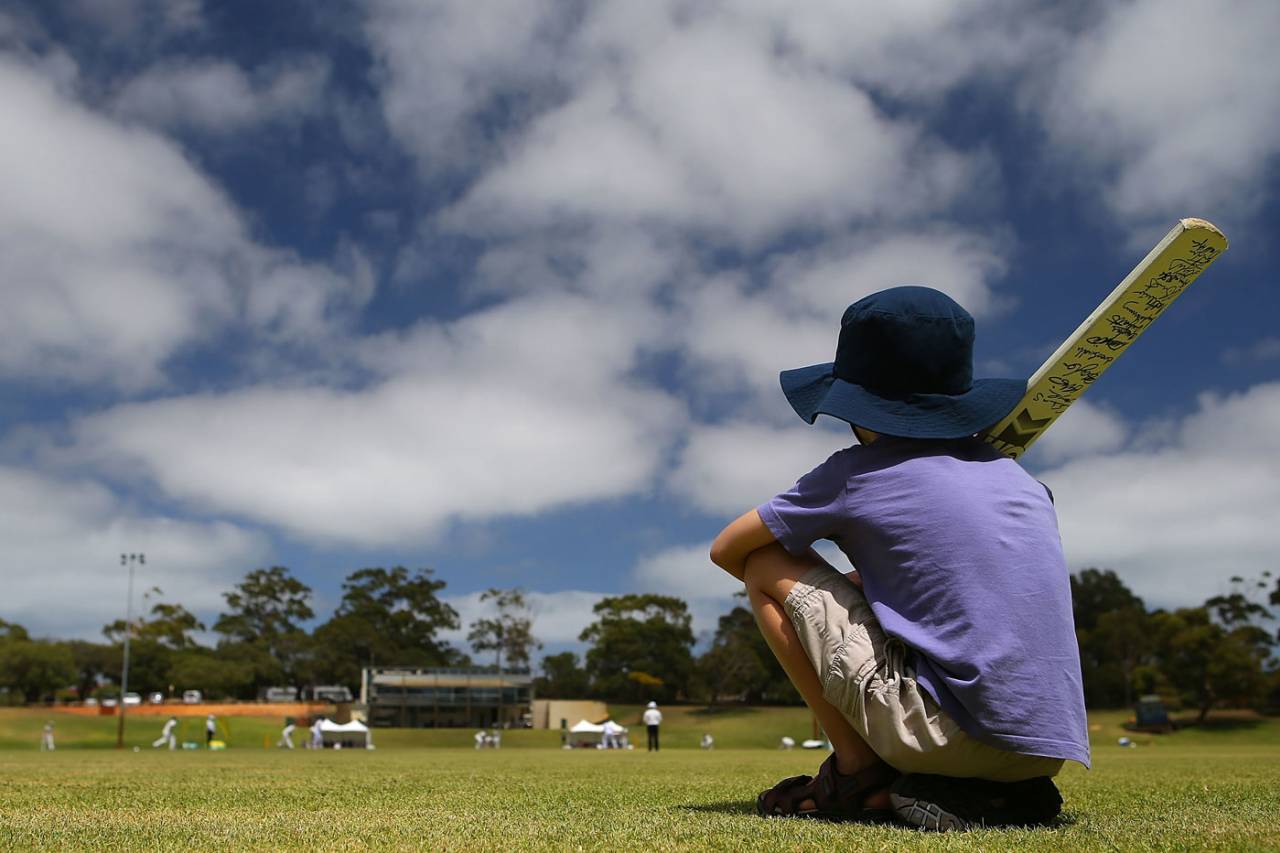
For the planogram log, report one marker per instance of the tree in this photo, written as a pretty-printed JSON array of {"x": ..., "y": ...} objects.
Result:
[
  {"x": 1098, "y": 591},
  {"x": 217, "y": 676},
  {"x": 170, "y": 625},
  {"x": 12, "y": 631},
  {"x": 93, "y": 662},
  {"x": 723, "y": 673},
  {"x": 562, "y": 678},
  {"x": 1110, "y": 629},
  {"x": 741, "y": 664},
  {"x": 1238, "y": 607},
  {"x": 262, "y": 624},
  {"x": 510, "y": 633},
  {"x": 1207, "y": 662},
  {"x": 154, "y": 636},
  {"x": 388, "y": 617},
  {"x": 641, "y": 647},
  {"x": 1117, "y": 646},
  {"x": 263, "y": 667},
  {"x": 267, "y": 604},
  {"x": 35, "y": 668}
]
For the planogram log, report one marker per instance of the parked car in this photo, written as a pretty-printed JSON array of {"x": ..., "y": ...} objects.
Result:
[
  {"x": 91, "y": 702},
  {"x": 156, "y": 698},
  {"x": 192, "y": 697},
  {"x": 132, "y": 698},
  {"x": 109, "y": 703},
  {"x": 280, "y": 694},
  {"x": 330, "y": 693}
]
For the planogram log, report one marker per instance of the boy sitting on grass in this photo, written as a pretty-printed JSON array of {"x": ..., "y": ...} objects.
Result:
[{"x": 944, "y": 670}]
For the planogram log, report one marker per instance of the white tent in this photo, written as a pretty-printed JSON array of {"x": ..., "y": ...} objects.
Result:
[
  {"x": 585, "y": 734},
  {"x": 348, "y": 735},
  {"x": 590, "y": 734}
]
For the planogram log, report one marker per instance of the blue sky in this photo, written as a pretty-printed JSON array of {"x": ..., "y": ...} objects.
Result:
[{"x": 503, "y": 289}]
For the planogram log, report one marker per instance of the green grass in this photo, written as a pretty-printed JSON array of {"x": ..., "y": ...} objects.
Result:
[
  {"x": 733, "y": 728},
  {"x": 1210, "y": 789},
  {"x": 682, "y": 728}
]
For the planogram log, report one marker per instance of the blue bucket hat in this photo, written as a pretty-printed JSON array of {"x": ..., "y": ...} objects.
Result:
[{"x": 904, "y": 367}]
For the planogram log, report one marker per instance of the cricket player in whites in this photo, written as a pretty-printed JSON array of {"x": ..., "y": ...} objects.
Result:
[
  {"x": 166, "y": 735},
  {"x": 944, "y": 670}
]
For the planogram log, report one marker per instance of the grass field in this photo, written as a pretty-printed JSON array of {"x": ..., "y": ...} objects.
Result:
[{"x": 1202, "y": 789}]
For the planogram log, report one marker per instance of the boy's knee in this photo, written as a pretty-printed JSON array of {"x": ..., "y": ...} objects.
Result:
[
  {"x": 772, "y": 570},
  {"x": 761, "y": 568}
]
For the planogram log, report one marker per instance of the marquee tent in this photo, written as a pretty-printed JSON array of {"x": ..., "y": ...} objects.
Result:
[
  {"x": 590, "y": 734},
  {"x": 354, "y": 734}
]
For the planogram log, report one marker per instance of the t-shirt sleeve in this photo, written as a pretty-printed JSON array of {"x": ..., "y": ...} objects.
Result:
[{"x": 810, "y": 510}]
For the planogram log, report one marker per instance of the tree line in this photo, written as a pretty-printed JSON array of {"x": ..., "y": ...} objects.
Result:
[
  {"x": 1219, "y": 654},
  {"x": 389, "y": 617},
  {"x": 638, "y": 647}
]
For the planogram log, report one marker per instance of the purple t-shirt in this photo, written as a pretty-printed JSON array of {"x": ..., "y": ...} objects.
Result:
[{"x": 960, "y": 558}]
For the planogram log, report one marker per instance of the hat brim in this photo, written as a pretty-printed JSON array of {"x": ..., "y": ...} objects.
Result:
[{"x": 815, "y": 390}]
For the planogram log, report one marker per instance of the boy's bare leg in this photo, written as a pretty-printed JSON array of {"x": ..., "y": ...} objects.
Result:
[{"x": 771, "y": 573}]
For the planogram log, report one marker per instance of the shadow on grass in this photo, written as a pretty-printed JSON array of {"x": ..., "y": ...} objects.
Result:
[
  {"x": 739, "y": 807},
  {"x": 724, "y": 710},
  {"x": 748, "y": 808},
  {"x": 1221, "y": 724}
]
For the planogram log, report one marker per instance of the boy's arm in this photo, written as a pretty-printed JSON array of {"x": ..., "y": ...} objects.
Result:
[{"x": 743, "y": 535}]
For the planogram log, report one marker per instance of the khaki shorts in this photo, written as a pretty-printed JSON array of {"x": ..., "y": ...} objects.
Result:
[{"x": 865, "y": 675}]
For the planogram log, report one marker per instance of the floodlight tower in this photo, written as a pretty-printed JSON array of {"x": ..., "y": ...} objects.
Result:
[{"x": 126, "y": 560}]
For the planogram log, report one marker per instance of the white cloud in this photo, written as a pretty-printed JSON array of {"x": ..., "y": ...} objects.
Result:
[
  {"x": 1178, "y": 519},
  {"x": 115, "y": 252},
  {"x": 684, "y": 571},
  {"x": 661, "y": 132},
  {"x": 736, "y": 339},
  {"x": 558, "y": 617},
  {"x": 609, "y": 261},
  {"x": 755, "y": 117},
  {"x": 1083, "y": 430},
  {"x": 958, "y": 262},
  {"x": 61, "y": 564},
  {"x": 702, "y": 124},
  {"x": 1265, "y": 349},
  {"x": 216, "y": 96},
  {"x": 442, "y": 63},
  {"x": 728, "y": 469},
  {"x": 917, "y": 50},
  {"x": 514, "y": 410},
  {"x": 1174, "y": 104}
]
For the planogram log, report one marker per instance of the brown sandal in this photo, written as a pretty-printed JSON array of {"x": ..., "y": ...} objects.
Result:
[{"x": 835, "y": 797}]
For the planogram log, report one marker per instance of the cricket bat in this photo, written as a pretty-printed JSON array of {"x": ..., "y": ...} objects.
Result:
[{"x": 1168, "y": 270}]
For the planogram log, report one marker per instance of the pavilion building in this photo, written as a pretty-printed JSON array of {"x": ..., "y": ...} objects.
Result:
[{"x": 435, "y": 697}]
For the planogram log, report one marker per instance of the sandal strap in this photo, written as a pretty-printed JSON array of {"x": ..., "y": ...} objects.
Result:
[
  {"x": 839, "y": 793},
  {"x": 785, "y": 797}
]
